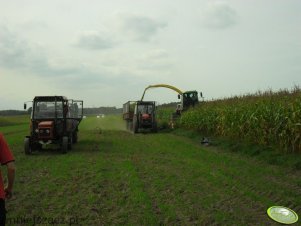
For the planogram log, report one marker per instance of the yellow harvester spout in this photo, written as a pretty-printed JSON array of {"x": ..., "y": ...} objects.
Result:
[{"x": 164, "y": 86}]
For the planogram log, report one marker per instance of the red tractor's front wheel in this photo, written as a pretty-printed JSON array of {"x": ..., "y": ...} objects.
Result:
[{"x": 27, "y": 146}]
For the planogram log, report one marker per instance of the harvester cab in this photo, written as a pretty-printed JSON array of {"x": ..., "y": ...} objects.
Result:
[
  {"x": 189, "y": 99},
  {"x": 54, "y": 120}
]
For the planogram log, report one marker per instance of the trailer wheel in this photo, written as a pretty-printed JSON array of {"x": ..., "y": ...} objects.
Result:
[
  {"x": 27, "y": 147},
  {"x": 64, "y": 145},
  {"x": 135, "y": 126},
  {"x": 130, "y": 125}
]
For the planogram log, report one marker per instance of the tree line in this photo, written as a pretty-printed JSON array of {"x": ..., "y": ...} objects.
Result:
[{"x": 87, "y": 111}]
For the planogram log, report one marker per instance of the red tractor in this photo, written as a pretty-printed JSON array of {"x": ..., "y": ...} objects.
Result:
[
  {"x": 140, "y": 116},
  {"x": 54, "y": 120}
]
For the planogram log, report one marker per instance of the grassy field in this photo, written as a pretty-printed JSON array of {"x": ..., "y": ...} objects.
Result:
[{"x": 112, "y": 177}]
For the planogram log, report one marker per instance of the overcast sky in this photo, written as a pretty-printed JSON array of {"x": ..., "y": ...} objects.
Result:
[{"x": 107, "y": 52}]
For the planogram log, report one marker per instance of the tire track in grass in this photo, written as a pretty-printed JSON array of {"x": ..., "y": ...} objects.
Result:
[
  {"x": 164, "y": 190},
  {"x": 206, "y": 196},
  {"x": 216, "y": 182},
  {"x": 244, "y": 192},
  {"x": 168, "y": 196},
  {"x": 119, "y": 196},
  {"x": 269, "y": 192},
  {"x": 133, "y": 147},
  {"x": 249, "y": 172},
  {"x": 260, "y": 180},
  {"x": 138, "y": 197}
]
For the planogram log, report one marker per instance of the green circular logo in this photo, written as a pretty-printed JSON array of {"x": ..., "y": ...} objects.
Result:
[{"x": 282, "y": 215}]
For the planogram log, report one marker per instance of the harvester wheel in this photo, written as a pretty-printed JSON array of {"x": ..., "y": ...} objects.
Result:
[
  {"x": 64, "y": 145},
  {"x": 27, "y": 148}
]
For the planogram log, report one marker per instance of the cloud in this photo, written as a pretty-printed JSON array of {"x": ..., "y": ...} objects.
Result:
[
  {"x": 13, "y": 50},
  {"x": 34, "y": 25},
  {"x": 219, "y": 15},
  {"x": 94, "y": 40},
  {"x": 155, "y": 60},
  {"x": 141, "y": 28},
  {"x": 28, "y": 60},
  {"x": 18, "y": 54},
  {"x": 156, "y": 54}
]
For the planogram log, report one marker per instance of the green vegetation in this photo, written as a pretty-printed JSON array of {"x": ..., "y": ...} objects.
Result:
[
  {"x": 268, "y": 119},
  {"x": 14, "y": 112},
  {"x": 112, "y": 177},
  {"x": 163, "y": 115},
  {"x": 14, "y": 120}
]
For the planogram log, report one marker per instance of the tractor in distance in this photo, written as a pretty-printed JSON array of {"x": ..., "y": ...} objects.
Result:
[
  {"x": 54, "y": 120},
  {"x": 140, "y": 116}
]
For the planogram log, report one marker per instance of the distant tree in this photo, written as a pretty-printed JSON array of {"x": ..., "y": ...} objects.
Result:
[{"x": 12, "y": 112}]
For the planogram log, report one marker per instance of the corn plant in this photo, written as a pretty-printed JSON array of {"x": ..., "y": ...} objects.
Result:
[{"x": 265, "y": 118}]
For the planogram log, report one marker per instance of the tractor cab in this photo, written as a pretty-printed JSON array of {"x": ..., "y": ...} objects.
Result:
[
  {"x": 55, "y": 108},
  {"x": 144, "y": 116}
]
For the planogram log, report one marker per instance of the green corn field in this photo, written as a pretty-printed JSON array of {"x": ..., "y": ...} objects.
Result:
[
  {"x": 163, "y": 115},
  {"x": 265, "y": 118}
]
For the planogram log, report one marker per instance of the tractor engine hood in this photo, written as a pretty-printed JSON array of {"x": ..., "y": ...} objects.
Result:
[
  {"x": 46, "y": 129},
  {"x": 146, "y": 116},
  {"x": 45, "y": 124}
]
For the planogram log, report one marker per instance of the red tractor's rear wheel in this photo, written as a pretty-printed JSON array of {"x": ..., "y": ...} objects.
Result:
[
  {"x": 74, "y": 137},
  {"x": 70, "y": 141},
  {"x": 64, "y": 145}
]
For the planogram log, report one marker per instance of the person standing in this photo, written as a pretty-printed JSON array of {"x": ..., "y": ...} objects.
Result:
[{"x": 6, "y": 158}]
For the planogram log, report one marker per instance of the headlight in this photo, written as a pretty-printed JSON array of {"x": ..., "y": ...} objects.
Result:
[
  {"x": 37, "y": 130},
  {"x": 47, "y": 131}
]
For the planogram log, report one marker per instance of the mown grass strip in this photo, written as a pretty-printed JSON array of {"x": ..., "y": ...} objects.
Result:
[{"x": 113, "y": 177}]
